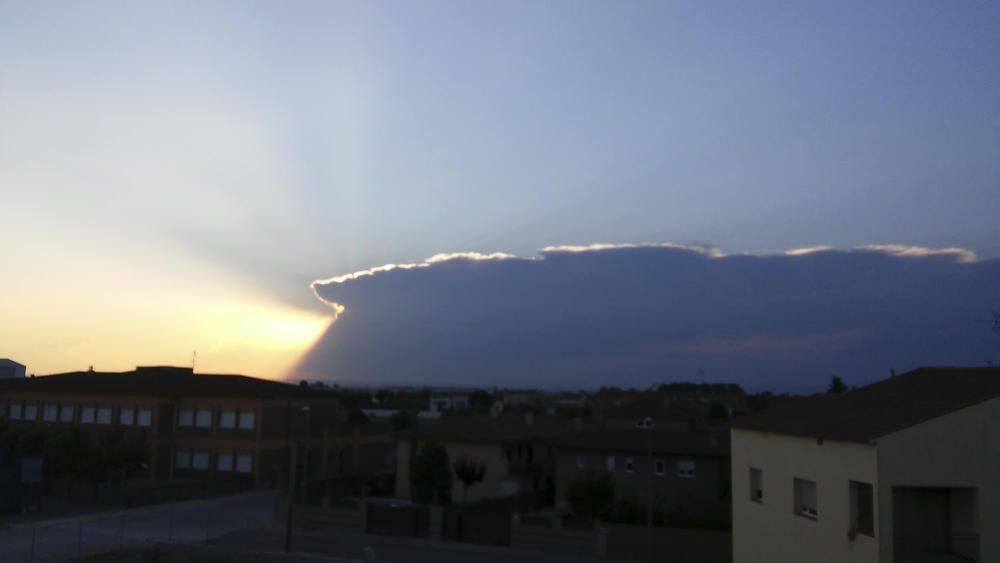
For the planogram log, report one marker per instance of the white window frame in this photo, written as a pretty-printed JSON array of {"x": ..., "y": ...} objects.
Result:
[
  {"x": 247, "y": 420},
  {"x": 144, "y": 416},
  {"x": 16, "y": 411},
  {"x": 227, "y": 419},
  {"x": 126, "y": 416},
  {"x": 224, "y": 462},
  {"x": 244, "y": 463},
  {"x": 104, "y": 415},
  {"x": 185, "y": 417},
  {"x": 203, "y": 418},
  {"x": 687, "y": 469},
  {"x": 30, "y": 411},
  {"x": 629, "y": 465},
  {"x": 199, "y": 460},
  {"x": 88, "y": 414},
  {"x": 50, "y": 412},
  {"x": 63, "y": 410},
  {"x": 805, "y": 491},
  {"x": 610, "y": 463}
]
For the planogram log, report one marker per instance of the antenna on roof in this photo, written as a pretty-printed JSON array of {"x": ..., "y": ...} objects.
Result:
[{"x": 194, "y": 359}]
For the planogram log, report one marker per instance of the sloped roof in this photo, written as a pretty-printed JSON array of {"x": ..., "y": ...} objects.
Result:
[
  {"x": 8, "y": 361},
  {"x": 708, "y": 442},
  {"x": 881, "y": 408},
  {"x": 160, "y": 381}
]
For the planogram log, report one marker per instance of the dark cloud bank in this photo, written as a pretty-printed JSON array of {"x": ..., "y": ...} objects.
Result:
[{"x": 636, "y": 315}]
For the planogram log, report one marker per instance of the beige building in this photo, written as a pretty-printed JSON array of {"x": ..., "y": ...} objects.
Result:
[{"x": 905, "y": 470}]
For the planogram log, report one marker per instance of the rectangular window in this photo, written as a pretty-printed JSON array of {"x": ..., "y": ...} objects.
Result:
[
  {"x": 87, "y": 415},
  {"x": 227, "y": 419},
  {"x": 629, "y": 465},
  {"x": 126, "y": 417},
  {"x": 225, "y": 462},
  {"x": 104, "y": 415},
  {"x": 685, "y": 469},
  {"x": 185, "y": 417},
  {"x": 15, "y": 411},
  {"x": 611, "y": 463},
  {"x": 579, "y": 462},
  {"x": 30, "y": 412},
  {"x": 244, "y": 463},
  {"x": 145, "y": 417},
  {"x": 659, "y": 467},
  {"x": 862, "y": 509},
  {"x": 203, "y": 419},
  {"x": 66, "y": 413},
  {"x": 199, "y": 460},
  {"x": 756, "y": 485},
  {"x": 805, "y": 499},
  {"x": 247, "y": 420},
  {"x": 183, "y": 460},
  {"x": 51, "y": 413}
]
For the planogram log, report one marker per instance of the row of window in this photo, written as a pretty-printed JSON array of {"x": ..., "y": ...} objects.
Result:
[
  {"x": 805, "y": 504},
  {"x": 88, "y": 414},
  {"x": 203, "y": 418},
  {"x": 685, "y": 467},
  {"x": 225, "y": 462}
]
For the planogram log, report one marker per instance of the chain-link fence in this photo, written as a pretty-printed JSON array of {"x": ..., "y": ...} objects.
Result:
[{"x": 194, "y": 521}]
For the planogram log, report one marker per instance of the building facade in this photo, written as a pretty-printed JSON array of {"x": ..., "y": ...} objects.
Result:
[{"x": 901, "y": 471}]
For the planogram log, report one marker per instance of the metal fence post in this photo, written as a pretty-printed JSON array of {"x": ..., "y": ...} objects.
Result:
[
  {"x": 121, "y": 531},
  {"x": 79, "y": 538},
  {"x": 31, "y": 554},
  {"x": 170, "y": 526}
]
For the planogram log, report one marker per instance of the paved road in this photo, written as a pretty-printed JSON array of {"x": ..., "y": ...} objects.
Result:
[
  {"x": 193, "y": 521},
  {"x": 388, "y": 550}
]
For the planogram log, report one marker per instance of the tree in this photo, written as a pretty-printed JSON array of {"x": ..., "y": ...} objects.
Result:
[
  {"x": 592, "y": 495},
  {"x": 480, "y": 400},
  {"x": 469, "y": 471},
  {"x": 432, "y": 475},
  {"x": 401, "y": 420},
  {"x": 836, "y": 385}
]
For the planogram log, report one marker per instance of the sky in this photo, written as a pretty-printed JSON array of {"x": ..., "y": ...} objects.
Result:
[{"x": 174, "y": 176}]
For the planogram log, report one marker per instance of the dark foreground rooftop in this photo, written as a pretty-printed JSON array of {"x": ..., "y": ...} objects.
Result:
[
  {"x": 161, "y": 381},
  {"x": 881, "y": 408}
]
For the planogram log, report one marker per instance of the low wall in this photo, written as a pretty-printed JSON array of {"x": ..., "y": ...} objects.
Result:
[
  {"x": 175, "y": 553},
  {"x": 341, "y": 519},
  {"x": 536, "y": 533}
]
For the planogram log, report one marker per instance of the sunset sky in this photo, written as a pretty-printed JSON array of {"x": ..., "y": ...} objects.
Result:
[{"x": 175, "y": 176}]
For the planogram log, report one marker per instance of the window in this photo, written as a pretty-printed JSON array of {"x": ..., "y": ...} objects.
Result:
[
  {"x": 87, "y": 415},
  {"x": 30, "y": 412},
  {"x": 145, "y": 417},
  {"x": 579, "y": 462},
  {"x": 629, "y": 465},
  {"x": 203, "y": 419},
  {"x": 659, "y": 467},
  {"x": 127, "y": 416},
  {"x": 51, "y": 413},
  {"x": 225, "y": 462},
  {"x": 183, "y": 460},
  {"x": 611, "y": 463},
  {"x": 227, "y": 419},
  {"x": 247, "y": 420},
  {"x": 805, "y": 499},
  {"x": 185, "y": 417},
  {"x": 15, "y": 411},
  {"x": 862, "y": 509},
  {"x": 685, "y": 469},
  {"x": 104, "y": 415},
  {"x": 3, "y": 409},
  {"x": 244, "y": 463},
  {"x": 66, "y": 413},
  {"x": 199, "y": 460},
  {"x": 756, "y": 485}
]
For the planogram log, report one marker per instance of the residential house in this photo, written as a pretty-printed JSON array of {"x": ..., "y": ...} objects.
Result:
[
  {"x": 904, "y": 470},
  {"x": 514, "y": 449},
  {"x": 684, "y": 474}
]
